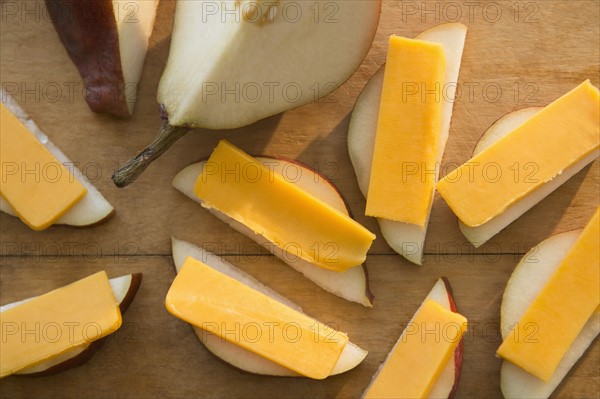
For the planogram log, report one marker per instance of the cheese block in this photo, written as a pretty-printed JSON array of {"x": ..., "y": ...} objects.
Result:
[
  {"x": 249, "y": 192},
  {"x": 403, "y": 172},
  {"x": 550, "y": 325},
  {"x": 420, "y": 355},
  {"x": 225, "y": 307},
  {"x": 57, "y": 322},
  {"x": 558, "y": 136},
  {"x": 39, "y": 187}
]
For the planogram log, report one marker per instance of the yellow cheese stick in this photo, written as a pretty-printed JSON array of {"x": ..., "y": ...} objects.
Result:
[
  {"x": 247, "y": 191},
  {"x": 224, "y": 306},
  {"x": 403, "y": 171}
]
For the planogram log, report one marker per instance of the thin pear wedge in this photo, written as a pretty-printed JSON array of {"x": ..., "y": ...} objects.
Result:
[
  {"x": 107, "y": 41},
  {"x": 233, "y": 354}
]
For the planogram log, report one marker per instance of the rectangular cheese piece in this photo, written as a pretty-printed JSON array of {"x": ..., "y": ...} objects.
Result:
[
  {"x": 419, "y": 356},
  {"x": 247, "y": 191},
  {"x": 223, "y": 306},
  {"x": 403, "y": 171},
  {"x": 556, "y": 137},
  {"x": 39, "y": 187},
  {"x": 554, "y": 319},
  {"x": 53, "y": 323}
]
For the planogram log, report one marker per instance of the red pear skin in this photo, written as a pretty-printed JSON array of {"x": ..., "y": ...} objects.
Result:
[
  {"x": 88, "y": 31},
  {"x": 458, "y": 352}
]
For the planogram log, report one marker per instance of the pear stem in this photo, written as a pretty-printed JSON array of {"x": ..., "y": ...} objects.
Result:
[{"x": 166, "y": 137}]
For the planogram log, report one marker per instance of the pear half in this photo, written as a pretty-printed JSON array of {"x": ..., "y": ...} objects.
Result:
[
  {"x": 527, "y": 280},
  {"x": 234, "y": 62},
  {"x": 352, "y": 285},
  {"x": 233, "y": 354},
  {"x": 406, "y": 239},
  {"x": 124, "y": 288},
  {"x": 93, "y": 208}
]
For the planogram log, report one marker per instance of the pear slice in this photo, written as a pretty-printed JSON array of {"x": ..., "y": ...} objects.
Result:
[
  {"x": 351, "y": 285},
  {"x": 234, "y": 62},
  {"x": 406, "y": 239},
  {"x": 107, "y": 41},
  {"x": 527, "y": 280},
  {"x": 447, "y": 382},
  {"x": 124, "y": 288},
  {"x": 503, "y": 126},
  {"x": 93, "y": 208},
  {"x": 233, "y": 354}
]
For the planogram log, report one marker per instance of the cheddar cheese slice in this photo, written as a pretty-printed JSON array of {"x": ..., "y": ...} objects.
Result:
[
  {"x": 420, "y": 354},
  {"x": 39, "y": 187},
  {"x": 246, "y": 190},
  {"x": 223, "y": 306},
  {"x": 54, "y": 323},
  {"x": 555, "y": 138},
  {"x": 542, "y": 336},
  {"x": 403, "y": 171}
]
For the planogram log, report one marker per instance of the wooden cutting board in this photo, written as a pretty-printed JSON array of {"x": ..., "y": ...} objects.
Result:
[{"x": 518, "y": 54}]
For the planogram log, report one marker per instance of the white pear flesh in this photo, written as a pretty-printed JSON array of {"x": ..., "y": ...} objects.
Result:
[
  {"x": 92, "y": 208},
  {"x": 527, "y": 280},
  {"x": 233, "y": 354},
  {"x": 135, "y": 20},
  {"x": 446, "y": 382},
  {"x": 234, "y": 62},
  {"x": 351, "y": 285},
  {"x": 503, "y": 126},
  {"x": 406, "y": 239},
  {"x": 121, "y": 287}
]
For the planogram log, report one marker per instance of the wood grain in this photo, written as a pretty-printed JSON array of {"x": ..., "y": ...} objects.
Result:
[{"x": 512, "y": 60}]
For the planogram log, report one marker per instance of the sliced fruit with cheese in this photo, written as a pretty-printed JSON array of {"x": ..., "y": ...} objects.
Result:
[
  {"x": 38, "y": 197},
  {"x": 124, "y": 289},
  {"x": 446, "y": 384},
  {"x": 410, "y": 118},
  {"x": 405, "y": 238},
  {"x": 33, "y": 164},
  {"x": 351, "y": 284},
  {"x": 247, "y": 191},
  {"x": 559, "y": 136},
  {"x": 417, "y": 364},
  {"x": 37, "y": 330},
  {"x": 556, "y": 316},
  {"x": 509, "y": 122},
  {"x": 528, "y": 279},
  {"x": 235, "y": 352}
]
